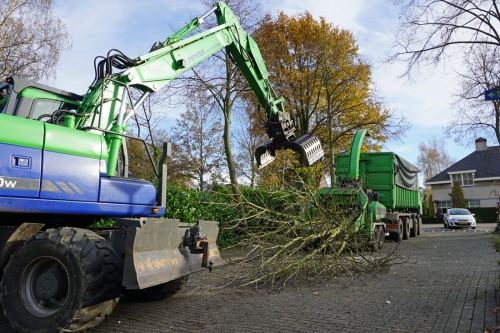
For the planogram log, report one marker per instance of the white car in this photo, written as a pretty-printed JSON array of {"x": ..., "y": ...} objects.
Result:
[{"x": 459, "y": 218}]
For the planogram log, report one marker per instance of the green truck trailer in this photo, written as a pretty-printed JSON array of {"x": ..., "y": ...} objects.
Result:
[{"x": 382, "y": 188}]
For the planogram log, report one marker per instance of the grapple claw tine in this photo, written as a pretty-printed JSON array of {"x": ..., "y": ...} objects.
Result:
[{"x": 264, "y": 155}]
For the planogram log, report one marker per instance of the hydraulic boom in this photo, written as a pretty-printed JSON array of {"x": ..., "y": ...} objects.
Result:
[{"x": 105, "y": 107}]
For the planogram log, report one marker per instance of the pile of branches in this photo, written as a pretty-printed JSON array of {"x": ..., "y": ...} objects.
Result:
[{"x": 292, "y": 233}]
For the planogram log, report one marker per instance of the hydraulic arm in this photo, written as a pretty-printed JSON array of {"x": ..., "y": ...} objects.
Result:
[{"x": 108, "y": 105}]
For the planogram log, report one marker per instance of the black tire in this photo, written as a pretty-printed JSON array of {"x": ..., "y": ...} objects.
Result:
[
  {"x": 155, "y": 293},
  {"x": 419, "y": 221},
  {"x": 378, "y": 238},
  {"x": 398, "y": 237},
  {"x": 406, "y": 228},
  {"x": 444, "y": 224},
  {"x": 414, "y": 227},
  {"x": 80, "y": 285}
]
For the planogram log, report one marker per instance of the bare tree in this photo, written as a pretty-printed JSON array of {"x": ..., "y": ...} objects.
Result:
[
  {"x": 434, "y": 31},
  {"x": 226, "y": 83},
  {"x": 31, "y": 39},
  {"x": 149, "y": 117},
  {"x": 431, "y": 30},
  {"x": 474, "y": 116},
  {"x": 247, "y": 137},
  {"x": 198, "y": 142},
  {"x": 148, "y": 125},
  {"x": 433, "y": 158}
]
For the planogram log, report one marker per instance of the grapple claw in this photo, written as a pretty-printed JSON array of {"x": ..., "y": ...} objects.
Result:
[{"x": 309, "y": 148}]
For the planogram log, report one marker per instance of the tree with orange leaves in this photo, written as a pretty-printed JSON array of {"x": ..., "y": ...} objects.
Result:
[{"x": 325, "y": 82}]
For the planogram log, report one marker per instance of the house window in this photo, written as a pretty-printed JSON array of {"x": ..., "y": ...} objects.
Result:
[
  {"x": 444, "y": 204},
  {"x": 464, "y": 179},
  {"x": 473, "y": 203}
]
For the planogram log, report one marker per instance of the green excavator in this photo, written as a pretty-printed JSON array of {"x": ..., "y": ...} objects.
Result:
[{"x": 59, "y": 153}]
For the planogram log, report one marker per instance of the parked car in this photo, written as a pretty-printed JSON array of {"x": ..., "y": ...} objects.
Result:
[{"x": 459, "y": 218}]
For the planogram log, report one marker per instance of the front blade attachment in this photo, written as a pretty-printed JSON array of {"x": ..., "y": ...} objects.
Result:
[{"x": 309, "y": 148}]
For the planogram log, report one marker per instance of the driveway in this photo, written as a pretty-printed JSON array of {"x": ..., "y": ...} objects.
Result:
[{"x": 449, "y": 284}]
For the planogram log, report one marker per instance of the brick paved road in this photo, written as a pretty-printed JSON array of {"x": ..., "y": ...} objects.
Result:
[{"x": 449, "y": 285}]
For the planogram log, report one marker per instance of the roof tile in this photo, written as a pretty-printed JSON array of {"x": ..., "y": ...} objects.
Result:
[{"x": 485, "y": 162}]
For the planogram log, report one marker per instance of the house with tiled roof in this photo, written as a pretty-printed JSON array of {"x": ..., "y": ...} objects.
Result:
[{"x": 478, "y": 174}]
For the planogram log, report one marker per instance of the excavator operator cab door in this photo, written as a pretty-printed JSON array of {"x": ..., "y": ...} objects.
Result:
[{"x": 29, "y": 105}]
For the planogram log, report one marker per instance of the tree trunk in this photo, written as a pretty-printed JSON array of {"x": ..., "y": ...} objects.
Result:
[
  {"x": 497, "y": 121},
  {"x": 227, "y": 144},
  {"x": 330, "y": 147}
]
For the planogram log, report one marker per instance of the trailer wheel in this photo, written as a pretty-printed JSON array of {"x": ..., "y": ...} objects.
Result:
[
  {"x": 406, "y": 228},
  {"x": 378, "y": 238},
  {"x": 62, "y": 280},
  {"x": 419, "y": 221},
  {"x": 414, "y": 227},
  {"x": 398, "y": 237},
  {"x": 157, "y": 292}
]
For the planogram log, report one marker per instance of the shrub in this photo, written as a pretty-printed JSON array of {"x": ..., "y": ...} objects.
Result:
[
  {"x": 191, "y": 205},
  {"x": 431, "y": 206},
  {"x": 457, "y": 196},
  {"x": 485, "y": 214}
]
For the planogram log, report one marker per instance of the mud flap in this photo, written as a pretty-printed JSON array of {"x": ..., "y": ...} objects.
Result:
[
  {"x": 308, "y": 146},
  {"x": 156, "y": 251}
]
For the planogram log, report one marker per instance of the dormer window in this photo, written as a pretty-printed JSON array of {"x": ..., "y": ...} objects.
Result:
[{"x": 464, "y": 179}]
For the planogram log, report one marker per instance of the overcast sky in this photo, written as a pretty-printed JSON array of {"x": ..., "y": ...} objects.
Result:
[{"x": 133, "y": 26}]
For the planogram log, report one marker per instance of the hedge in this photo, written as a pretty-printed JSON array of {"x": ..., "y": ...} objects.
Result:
[
  {"x": 482, "y": 215},
  {"x": 191, "y": 205},
  {"x": 485, "y": 214}
]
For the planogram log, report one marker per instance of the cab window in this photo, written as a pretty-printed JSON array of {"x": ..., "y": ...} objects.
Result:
[{"x": 42, "y": 107}]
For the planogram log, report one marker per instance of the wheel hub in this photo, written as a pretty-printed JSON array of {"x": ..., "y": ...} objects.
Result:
[
  {"x": 44, "y": 286},
  {"x": 52, "y": 284}
]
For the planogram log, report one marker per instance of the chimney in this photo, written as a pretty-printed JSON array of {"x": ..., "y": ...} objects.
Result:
[{"x": 481, "y": 144}]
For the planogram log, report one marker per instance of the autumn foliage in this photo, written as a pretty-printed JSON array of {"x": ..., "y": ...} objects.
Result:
[{"x": 325, "y": 82}]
